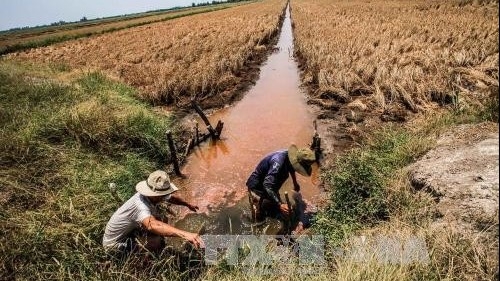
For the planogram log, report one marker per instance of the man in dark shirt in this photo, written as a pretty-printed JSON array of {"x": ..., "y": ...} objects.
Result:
[{"x": 270, "y": 174}]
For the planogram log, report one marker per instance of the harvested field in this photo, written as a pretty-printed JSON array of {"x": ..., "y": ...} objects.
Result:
[
  {"x": 11, "y": 41},
  {"x": 393, "y": 57},
  {"x": 170, "y": 62}
]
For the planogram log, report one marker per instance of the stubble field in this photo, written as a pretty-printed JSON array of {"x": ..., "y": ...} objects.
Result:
[
  {"x": 16, "y": 40},
  {"x": 171, "y": 62},
  {"x": 397, "y": 55}
]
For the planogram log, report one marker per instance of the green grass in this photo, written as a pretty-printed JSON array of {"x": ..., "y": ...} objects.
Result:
[
  {"x": 359, "y": 197},
  {"x": 60, "y": 147},
  {"x": 358, "y": 181}
]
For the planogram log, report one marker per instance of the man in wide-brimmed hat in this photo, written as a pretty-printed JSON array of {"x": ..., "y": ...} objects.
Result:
[
  {"x": 270, "y": 174},
  {"x": 139, "y": 216}
]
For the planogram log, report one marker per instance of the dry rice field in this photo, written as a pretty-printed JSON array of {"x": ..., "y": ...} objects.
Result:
[
  {"x": 82, "y": 29},
  {"x": 170, "y": 62},
  {"x": 397, "y": 54}
]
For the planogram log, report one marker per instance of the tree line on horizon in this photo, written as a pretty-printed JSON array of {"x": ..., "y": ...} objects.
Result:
[{"x": 85, "y": 19}]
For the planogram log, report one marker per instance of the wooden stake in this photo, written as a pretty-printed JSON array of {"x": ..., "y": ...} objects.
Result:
[
  {"x": 188, "y": 147},
  {"x": 197, "y": 108},
  {"x": 197, "y": 135},
  {"x": 316, "y": 143},
  {"x": 289, "y": 213},
  {"x": 219, "y": 127},
  {"x": 173, "y": 154},
  {"x": 252, "y": 209}
]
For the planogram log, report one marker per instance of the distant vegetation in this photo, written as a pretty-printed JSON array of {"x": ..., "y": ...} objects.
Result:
[
  {"x": 123, "y": 17},
  {"x": 19, "y": 39},
  {"x": 214, "y": 2}
]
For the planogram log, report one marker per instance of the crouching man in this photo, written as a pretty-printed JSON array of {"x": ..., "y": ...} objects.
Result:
[
  {"x": 270, "y": 174},
  {"x": 139, "y": 218}
]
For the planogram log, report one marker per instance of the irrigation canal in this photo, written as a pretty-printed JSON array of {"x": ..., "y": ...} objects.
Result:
[{"x": 272, "y": 115}]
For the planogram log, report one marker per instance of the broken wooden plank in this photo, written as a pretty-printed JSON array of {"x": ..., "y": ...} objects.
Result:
[
  {"x": 316, "y": 143},
  {"x": 219, "y": 127},
  {"x": 198, "y": 110}
]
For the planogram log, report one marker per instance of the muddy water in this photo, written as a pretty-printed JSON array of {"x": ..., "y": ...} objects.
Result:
[{"x": 272, "y": 115}]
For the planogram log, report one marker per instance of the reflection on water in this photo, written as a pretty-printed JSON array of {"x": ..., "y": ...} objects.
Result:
[{"x": 271, "y": 116}]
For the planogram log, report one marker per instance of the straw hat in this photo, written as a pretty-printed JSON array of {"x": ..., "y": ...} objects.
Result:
[
  {"x": 157, "y": 184},
  {"x": 301, "y": 159}
]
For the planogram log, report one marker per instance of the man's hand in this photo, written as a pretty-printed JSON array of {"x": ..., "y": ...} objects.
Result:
[
  {"x": 284, "y": 209},
  {"x": 164, "y": 229},
  {"x": 195, "y": 239},
  {"x": 193, "y": 208}
]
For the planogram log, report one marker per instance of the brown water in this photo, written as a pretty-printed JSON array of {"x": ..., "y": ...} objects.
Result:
[{"x": 272, "y": 115}]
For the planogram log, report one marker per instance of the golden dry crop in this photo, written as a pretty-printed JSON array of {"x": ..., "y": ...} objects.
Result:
[
  {"x": 398, "y": 52},
  {"x": 86, "y": 28},
  {"x": 200, "y": 55}
]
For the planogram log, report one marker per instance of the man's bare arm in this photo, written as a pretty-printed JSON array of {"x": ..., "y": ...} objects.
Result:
[{"x": 158, "y": 227}]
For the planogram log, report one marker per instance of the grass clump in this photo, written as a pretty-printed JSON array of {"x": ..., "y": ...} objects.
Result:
[{"x": 359, "y": 197}]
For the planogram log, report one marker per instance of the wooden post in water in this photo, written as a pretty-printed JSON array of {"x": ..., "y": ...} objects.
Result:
[
  {"x": 316, "y": 143},
  {"x": 219, "y": 127},
  {"x": 173, "y": 154},
  {"x": 289, "y": 228},
  {"x": 212, "y": 131},
  {"x": 197, "y": 135},
  {"x": 252, "y": 207}
]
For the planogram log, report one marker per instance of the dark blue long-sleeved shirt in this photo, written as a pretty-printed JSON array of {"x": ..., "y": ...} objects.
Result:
[{"x": 270, "y": 174}]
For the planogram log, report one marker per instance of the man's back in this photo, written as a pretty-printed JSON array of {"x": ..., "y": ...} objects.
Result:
[
  {"x": 271, "y": 172},
  {"x": 126, "y": 219}
]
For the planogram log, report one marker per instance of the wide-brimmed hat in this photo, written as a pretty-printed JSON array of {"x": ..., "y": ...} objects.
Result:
[
  {"x": 301, "y": 159},
  {"x": 157, "y": 184}
]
